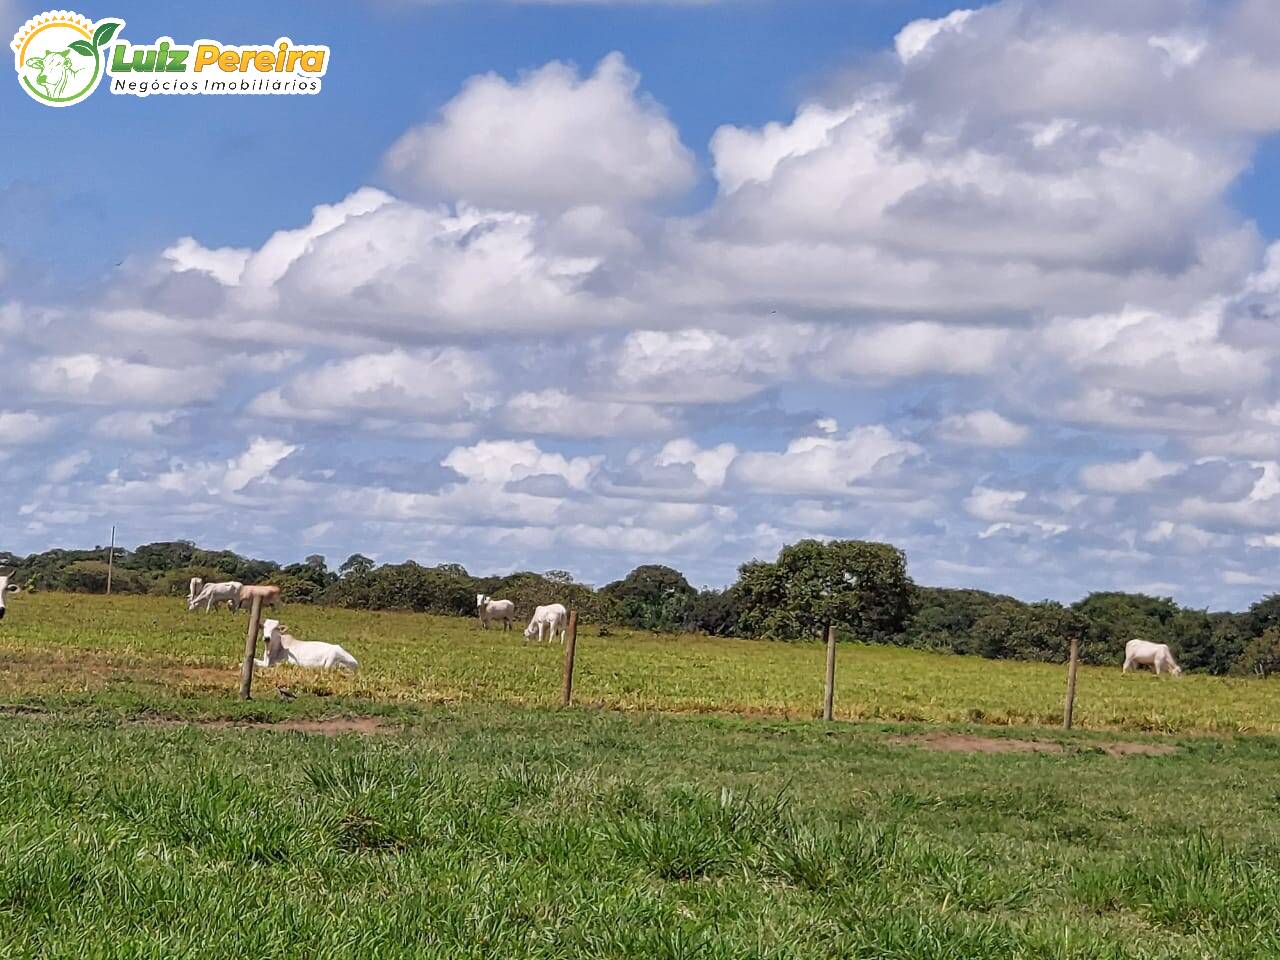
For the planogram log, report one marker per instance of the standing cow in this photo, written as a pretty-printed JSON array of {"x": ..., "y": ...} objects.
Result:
[
  {"x": 270, "y": 596},
  {"x": 490, "y": 610},
  {"x": 212, "y": 594},
  {"x": 1153, "y": 655},
  {"x": 549, "y": 619},
  {"x": 6, "y": 587}
]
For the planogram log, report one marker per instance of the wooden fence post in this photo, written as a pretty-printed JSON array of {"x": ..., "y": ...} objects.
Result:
[
  {"x": 1071, "y": 683},
  {"x": 570, "y": 650},
  {"x": 111, "y": 558},
  {"x": 828, "y": 703},
  {"x": 250, "y": 648}
]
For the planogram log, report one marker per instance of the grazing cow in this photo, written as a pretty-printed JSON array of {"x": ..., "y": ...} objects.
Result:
[
  {"x": 1154, "y": 655},
  {"x": 489, "y": 610},
  {"x": 6, "y": 587},
  {"x": 55, "y": 71},
  {"x": 549, "y": 618},
  {"x": 194, "y": 587},
  {"x": 270, "y": 596},
  {"x": 283, "y": 647},
  {"x": 216, "y": 593}
]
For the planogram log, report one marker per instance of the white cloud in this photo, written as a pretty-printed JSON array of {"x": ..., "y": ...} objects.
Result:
[
  {"x": 557, "y": 412},
  {"x": 914, "y": 39},
  {"x": 130, "y": 425},
  {"x": 18, "y": 427},
  {"x": 262, "y": 456},
  {"x": 915, "y": 349},
  {"x": 551, "y": 140},
  {"x": 698, "y": 365},
  {"x": 709, "y": 465},
  {"x": 431, "y": 385},
  {"x": 1129, "y": 476},
  {"x": 983, "y": 428},
  {"x": 498, "y": 462},
  {"x": 104, "y": 380},
  {"x": 861, "y": 461},
  {"x": 62, "y": 470}
]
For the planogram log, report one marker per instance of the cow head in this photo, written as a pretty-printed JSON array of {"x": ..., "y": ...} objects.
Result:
[
  {"x": 6, "y": 587},
  {"x": 55, "y": 70},
  {"x": 270, "y": 628},
  {"x": 481, "y": 599}
]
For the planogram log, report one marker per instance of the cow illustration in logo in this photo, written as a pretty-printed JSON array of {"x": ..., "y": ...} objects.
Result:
[{"x": 59, "y": 54}]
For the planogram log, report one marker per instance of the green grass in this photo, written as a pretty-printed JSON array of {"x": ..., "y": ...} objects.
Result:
[
  {"x": 494, "y": 831},
  {"x": 419, "y": 659},
  {"x": 492, "y": 826}
]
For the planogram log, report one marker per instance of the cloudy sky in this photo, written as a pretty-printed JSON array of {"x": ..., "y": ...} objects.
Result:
[{"x": 588, "y": 284}]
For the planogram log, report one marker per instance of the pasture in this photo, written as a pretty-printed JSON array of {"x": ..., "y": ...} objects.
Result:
[
  {"x": 58, "y": 643},
  {"x": 145, "y": 813}
]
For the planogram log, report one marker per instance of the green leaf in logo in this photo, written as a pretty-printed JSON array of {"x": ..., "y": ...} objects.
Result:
[
  {"x": 104, "y": 33},
  {"x": 83, "y": 47}
]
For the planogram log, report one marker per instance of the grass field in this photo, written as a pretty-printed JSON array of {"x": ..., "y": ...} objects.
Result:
[
  {"x": 55, "y": 643},
  {"x": 146, "y": 813}
]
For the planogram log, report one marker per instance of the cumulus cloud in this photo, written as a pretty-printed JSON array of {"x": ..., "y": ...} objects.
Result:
[
  {"x": 437, "y": 386},
  {"x": 18, "y": 427},
  {"x": 549, "y": 141},
  {"x": 698, "y": 365},
  {"x": 864, "y": 459},
  {"x": 983, "y": 428},
  {"x": 558, "y": 412},
  {"x": 105, "y": 380},
  {"x": 1129, "y": 476},
  {"x": 913, "y": 349}
]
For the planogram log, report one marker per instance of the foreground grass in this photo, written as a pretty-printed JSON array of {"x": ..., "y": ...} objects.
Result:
[
  {"x": 493, "y": 831},
  {"x": 55, "y": 643}
]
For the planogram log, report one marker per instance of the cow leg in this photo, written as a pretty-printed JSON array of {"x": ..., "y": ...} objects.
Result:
[{"x": 1127, "y": 664}]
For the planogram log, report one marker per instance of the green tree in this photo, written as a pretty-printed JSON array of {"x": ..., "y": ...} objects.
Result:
[
  {"x": 356, "y": 565},
  {"x": 860, "y": 586},
  {"x": 651, "y": 597}
]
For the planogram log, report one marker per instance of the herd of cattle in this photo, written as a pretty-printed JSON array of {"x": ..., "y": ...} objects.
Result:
[
  {"x": 547, "y": 621},
  {"x": 283, "y": 647}
]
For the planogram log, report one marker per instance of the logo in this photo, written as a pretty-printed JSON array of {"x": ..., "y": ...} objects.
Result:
[{"x": 61, "y": 57}]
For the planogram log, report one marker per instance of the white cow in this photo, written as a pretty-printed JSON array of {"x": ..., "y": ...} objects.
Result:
[
  {"x": 194, "y": 587},
  {"x": 1154, "y": 655},
  {"x": 6, "y": 587},
  {"x": 490, "y": 609},
  {"x": 283, "y": 647},
  {"x": 227, "y": 592},
  {"x": 550, "y": 618}
]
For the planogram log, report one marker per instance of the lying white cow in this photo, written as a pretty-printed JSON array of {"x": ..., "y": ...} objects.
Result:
[
  {"x": 550, "y": 618},
  {"x": 490, "y": 609},
  {"x": 283, "y": 647},
  {"x": 1153, "y": 655},
  {"x": 6, "y": 587},
  {"x": 227, "y": 592}
]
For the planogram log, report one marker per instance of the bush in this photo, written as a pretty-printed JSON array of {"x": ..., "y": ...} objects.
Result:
[{"x": 1261, "y": 657}]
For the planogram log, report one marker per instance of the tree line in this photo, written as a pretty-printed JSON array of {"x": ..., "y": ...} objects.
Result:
[{"x": 861, "y": 588}]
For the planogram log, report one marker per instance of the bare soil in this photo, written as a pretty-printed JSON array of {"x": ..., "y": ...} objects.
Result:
[{"x": 970, "y": 743}]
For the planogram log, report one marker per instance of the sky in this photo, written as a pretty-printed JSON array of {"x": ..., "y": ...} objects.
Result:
[{"x": 588, "y": 284}]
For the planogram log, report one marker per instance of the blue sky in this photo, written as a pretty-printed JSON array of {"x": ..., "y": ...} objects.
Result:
[{"x": 593, "y": 284}]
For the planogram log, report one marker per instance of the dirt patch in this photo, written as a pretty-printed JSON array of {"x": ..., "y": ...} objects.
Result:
[
  {"x": 328, "y": 727},
  {"x": 1138, "y": 749},
  {"x": 970, "y": 743}
]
